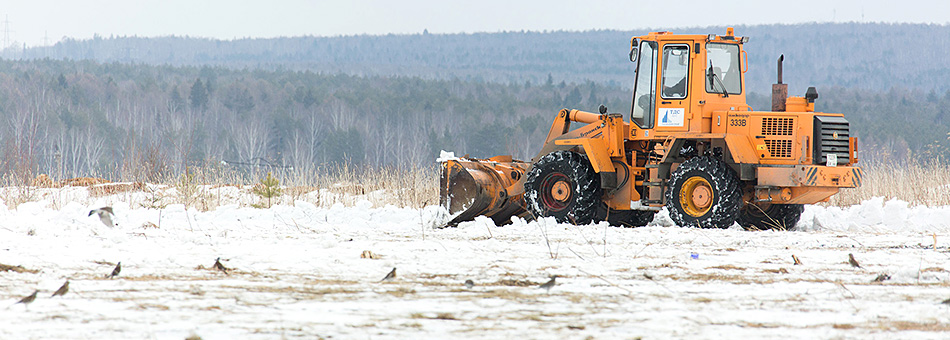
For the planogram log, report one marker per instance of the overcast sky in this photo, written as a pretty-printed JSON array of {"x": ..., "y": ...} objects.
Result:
[{"x": 30, "y": 21}]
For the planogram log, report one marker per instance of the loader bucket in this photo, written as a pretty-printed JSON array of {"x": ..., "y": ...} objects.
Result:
[{"x": 491, "y": 187}]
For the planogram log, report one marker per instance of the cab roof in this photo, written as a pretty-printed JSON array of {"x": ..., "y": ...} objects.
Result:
[{"x": 729, "y": 37}]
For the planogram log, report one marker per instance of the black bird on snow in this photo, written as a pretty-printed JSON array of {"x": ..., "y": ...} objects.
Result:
[
  {"x": 390, "y": 276},
  {"x": 105, "y": 215},
  {"x": 852, "y": 261},
  {"x": 219, "y": 266},
  {"x": 26, "y": 301},
  {"x": 469, "y": 284},
  {"x": 62, "y": 290},
  {"x": 550, "y": 284},
  {"x": 946, "y": 302},
  {"x": 115, "y": 272}
]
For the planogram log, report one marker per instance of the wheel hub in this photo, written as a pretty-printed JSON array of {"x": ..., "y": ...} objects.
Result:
[
  {"x": 696, "y": 196},
  {"x": 561, "y": 191},
  {"x": 555, "y": 192},
  {"x": 701, "y": 197}
]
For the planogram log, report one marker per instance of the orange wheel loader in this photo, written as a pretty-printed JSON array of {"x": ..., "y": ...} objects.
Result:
[{"x": 690, "y": 143}]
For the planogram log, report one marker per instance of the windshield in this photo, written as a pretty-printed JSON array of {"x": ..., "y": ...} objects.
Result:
[
  {"x": 644, "y": 86},
  {"x": 723, "y": 61}
]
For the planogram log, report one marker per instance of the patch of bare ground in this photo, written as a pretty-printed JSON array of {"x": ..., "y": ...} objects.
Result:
[
  {"x": 711, "y": 277},
  {"x": 515, "y": 283},
  {"x": 16, "y": 269},
  {"x": 771, "y": 279},
  {"x": 154, "y": 277},
  {"x": 413, "y": 325},
  {"x": 726, "y": 267},
  {"x": 760, "y": 325},
  {"x": 400, "y": 292},
  {"x": 899, "y": 325},
  {"x": 301, "y": 290},
  {"x": 888, "y": 325},
  {"x": 505, "y": 294},
  {"x": 428, "y": 276},
  {"x": 152, "y": 306},
  {"x": 433, "y": 316},
  {"x": 776, "y": 271},
  {"x": 539, "y": 316}
]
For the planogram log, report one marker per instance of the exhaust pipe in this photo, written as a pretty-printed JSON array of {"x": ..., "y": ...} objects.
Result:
[{"x": 779, "y": 90}]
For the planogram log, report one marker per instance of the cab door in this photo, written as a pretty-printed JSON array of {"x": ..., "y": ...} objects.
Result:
[
  {"x": 644, "y": 90},
  {"x": 673, "y": 99}
]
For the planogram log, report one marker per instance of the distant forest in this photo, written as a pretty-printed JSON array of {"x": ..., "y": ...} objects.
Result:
[
  {"x": 852, "y": 55},
  {"x": 148, "y": 107},
  {"x": 72, "y": 118}
]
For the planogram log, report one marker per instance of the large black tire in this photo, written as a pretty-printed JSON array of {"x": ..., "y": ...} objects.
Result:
[
  {"x": 770, "y": 216},
  {"x": 704, "y": 192},
  {"x": 563, "y": 184}
]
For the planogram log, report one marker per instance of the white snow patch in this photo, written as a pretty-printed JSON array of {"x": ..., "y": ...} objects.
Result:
[
  {"x": 297, "y": 272},
  {"x": 446, "y": 156}
]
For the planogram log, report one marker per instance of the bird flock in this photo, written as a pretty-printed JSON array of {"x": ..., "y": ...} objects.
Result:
[
  {"x": 107, "y": 217},
  {"x": 218, "y": 266},
  {"x": 391, "y": 276}
]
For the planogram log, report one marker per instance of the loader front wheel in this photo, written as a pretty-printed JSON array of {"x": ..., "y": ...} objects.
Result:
[
  {"x": 563, "y": 184},
  {"x": 770, "y": 216},
  {"x": 704, "y": 192}
]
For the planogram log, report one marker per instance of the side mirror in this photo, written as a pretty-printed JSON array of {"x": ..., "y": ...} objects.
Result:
[{"x": 634, "y": 49}]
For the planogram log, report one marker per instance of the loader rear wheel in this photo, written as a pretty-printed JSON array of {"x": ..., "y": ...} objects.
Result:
[
  {"x": 564, "y": 185},
  {"x": 770, "y": 216},
  {"x": 704, "y": 192}
]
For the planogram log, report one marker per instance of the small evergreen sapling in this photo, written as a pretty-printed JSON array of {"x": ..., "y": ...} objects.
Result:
[{"x": 268, "y": 189}]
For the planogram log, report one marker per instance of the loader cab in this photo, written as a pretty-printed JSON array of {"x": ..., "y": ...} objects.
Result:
[{"x": 681, "y": 79}]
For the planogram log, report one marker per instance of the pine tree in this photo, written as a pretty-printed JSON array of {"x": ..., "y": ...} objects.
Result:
[
  {"x": 268, "y": 189},
  {"x": 199, "y": 95}
]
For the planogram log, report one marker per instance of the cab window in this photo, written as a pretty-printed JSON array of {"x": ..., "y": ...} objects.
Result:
[
  {"x": 723, "y": 68},
  {"x": 675, "y": 71},
  {"x": 644, "y": 86}
]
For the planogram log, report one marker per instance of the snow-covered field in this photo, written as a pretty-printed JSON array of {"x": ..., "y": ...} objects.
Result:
[{"x": 297, "y": 272}]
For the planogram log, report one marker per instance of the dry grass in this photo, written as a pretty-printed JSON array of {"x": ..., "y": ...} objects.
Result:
[
  {"x": 106, "y": 189},
  {"x": 200, "y": 187},
  {"x": 916, "y": 183}
]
